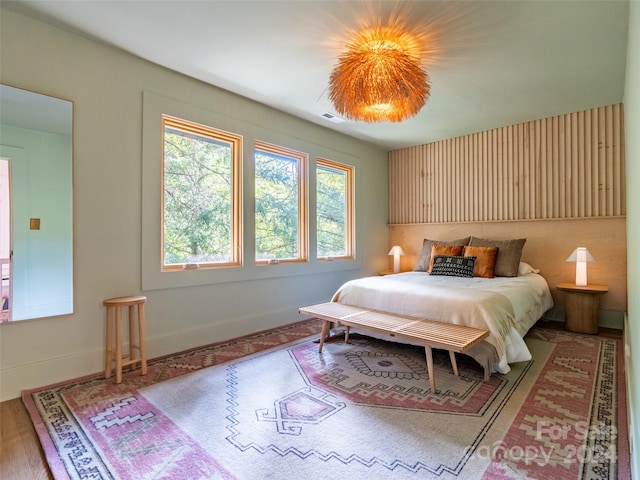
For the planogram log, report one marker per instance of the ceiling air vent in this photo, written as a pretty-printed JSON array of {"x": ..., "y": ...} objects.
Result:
[{"x": 332, "y": 117}]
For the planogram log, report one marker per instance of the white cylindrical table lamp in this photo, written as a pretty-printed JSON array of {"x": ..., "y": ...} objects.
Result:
[
  {"x": 396, "y": 251},
  {"x": 581, "y": 256}
]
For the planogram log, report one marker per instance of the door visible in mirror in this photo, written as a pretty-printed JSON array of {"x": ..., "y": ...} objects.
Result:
[
  {"x": 5, "y": 241},
  {"x": 36, "y": 142}
]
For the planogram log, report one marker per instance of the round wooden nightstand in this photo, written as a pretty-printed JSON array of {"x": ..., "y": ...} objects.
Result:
[{"x": 582, "y": 306}]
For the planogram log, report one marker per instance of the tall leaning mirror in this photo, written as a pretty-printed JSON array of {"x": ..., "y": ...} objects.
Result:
[{"x": 36, "y": 205}]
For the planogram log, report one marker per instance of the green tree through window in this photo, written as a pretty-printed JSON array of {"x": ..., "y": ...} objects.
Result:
[
  {"x": 200, "y": 198},
  {"x": 280, "y": 203},
  {"x": 334, "y": 215}
]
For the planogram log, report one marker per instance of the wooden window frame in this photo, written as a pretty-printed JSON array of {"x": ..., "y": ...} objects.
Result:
[
  {"x": 349, "y": 172},
  {"x": 235, "y": 141},
  {"x": 303, "y": 207}
]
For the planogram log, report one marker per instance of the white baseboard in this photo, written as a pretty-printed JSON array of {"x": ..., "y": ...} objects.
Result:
[
  {"x": 606, "y": 317},
  {"x": 611, "y": 319},
  {"x": 628, "y": 370},
  {"x": 14, "y": 380}
]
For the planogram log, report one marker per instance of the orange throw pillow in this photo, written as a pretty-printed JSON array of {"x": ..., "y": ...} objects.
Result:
[
  {"x": 448, "y": 250},
  {"x": 485, "y": 261}
]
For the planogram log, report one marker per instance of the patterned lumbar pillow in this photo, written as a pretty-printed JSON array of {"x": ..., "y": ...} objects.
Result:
[{"x": 453, "y": 266}]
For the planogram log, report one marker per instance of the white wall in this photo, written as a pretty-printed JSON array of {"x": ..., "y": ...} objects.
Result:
[
  {"x": 632, "y": 127},
  {"x": 106, "y": 86}
]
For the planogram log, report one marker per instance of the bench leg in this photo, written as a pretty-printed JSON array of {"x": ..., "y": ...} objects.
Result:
[
  {"x": 325, "y": 331},
  {"x": 454, "y": 364},
  {"x": 432, "y": 378},
  {"x": 346, "y": 333}
]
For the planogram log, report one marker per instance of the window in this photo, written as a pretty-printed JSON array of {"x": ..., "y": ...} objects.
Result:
[
  {"x": 201, "y": 196},
  {"x": 334, "y": 209},
  {"x": 281, "y": 205}
]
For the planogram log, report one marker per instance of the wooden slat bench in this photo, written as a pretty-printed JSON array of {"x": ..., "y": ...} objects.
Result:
[{"x": 432, "y": 334}]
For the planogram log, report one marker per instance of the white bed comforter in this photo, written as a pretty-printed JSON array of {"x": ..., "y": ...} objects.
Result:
[{"x": 507, "y": 307}]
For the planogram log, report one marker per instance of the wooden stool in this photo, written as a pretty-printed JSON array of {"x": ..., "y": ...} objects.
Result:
[{"x": 115, "y": 307}]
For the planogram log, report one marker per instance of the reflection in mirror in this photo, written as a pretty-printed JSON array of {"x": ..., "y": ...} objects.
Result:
[{"x": 36, "y": 218}]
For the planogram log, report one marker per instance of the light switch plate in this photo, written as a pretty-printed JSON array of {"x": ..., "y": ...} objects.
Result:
[{"x": 34, "y": 223}]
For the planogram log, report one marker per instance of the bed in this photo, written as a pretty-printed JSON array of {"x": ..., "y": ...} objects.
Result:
[{"x": 507, "y": 306}]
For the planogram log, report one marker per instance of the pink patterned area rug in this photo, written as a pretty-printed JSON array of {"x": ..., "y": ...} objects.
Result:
[{"x": 269, "y": 406}]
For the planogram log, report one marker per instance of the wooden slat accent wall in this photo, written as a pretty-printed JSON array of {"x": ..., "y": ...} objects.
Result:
[{"x": 568, "y": 166}]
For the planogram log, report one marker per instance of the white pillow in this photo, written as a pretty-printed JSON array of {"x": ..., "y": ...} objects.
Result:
[{"x": 525, "y": 268}]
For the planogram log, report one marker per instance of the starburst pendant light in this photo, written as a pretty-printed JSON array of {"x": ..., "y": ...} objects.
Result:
[{"x": 378, "y": 78}]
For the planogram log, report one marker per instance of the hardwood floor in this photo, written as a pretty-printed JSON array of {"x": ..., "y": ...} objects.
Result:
[{"x": 21, "y": 456}]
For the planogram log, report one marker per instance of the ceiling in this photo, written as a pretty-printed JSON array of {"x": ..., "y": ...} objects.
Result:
[{"x": 491, "y": 63}]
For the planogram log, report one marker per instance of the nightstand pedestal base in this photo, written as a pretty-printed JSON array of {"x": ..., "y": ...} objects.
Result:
[
  {"x": 582, "y": 307},
  {"x": 582, "y": 312}
]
